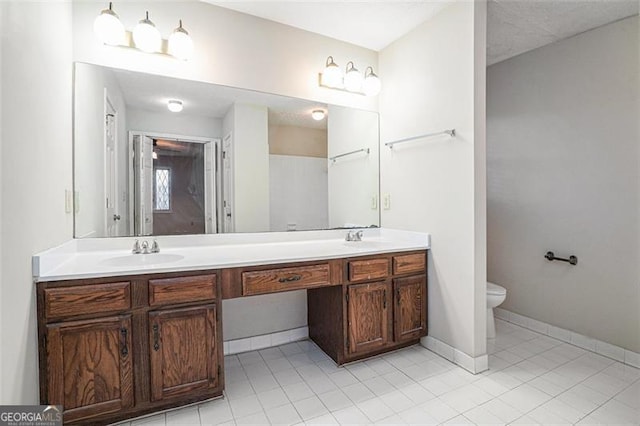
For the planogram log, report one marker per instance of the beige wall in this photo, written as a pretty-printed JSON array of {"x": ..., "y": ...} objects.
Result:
[
  {"x": 301, "y": 141},
  {"x": 563, "y": 175},
  {"x": 437, "y": 185},
  {"x": 35, "y": 161}
]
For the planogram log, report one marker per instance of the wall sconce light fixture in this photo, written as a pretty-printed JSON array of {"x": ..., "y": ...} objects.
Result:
[
  {"x": 352, "y": 81},
  {"x": 145, "y": 36}
]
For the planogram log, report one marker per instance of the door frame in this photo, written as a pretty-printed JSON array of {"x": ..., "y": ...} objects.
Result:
[
  {"x": 216, "y": 144},
  {"x": 109, "y": 105}
]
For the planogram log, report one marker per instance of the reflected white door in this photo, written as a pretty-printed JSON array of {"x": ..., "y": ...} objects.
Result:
[
  {"x": 210, "y": 188},
  {"x": 112, "y": 216},
  {"x": 143, "y": 163},
  {"x": 227, "y": 183}
]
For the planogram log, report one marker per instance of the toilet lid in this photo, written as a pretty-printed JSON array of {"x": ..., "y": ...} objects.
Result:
[{"x": 495, "y": 289}]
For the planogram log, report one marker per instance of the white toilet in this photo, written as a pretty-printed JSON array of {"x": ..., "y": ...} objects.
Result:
[{"x": 495, "y": 296}]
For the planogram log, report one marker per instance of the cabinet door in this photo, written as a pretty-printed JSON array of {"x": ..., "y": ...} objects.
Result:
[
  {"x": 89, "y": 366},
  {"x": 410, "y": 308},
  {"x": 183, "y": 351},
  {"x": 368, "y": 317}
]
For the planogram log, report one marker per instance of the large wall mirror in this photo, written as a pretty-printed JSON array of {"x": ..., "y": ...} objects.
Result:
[{"x": 155, "y": 155}]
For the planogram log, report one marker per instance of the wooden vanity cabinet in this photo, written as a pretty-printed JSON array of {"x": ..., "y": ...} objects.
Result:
[
  {"x": 116, "y": 348},
  {"x": 381, "y": 306}
]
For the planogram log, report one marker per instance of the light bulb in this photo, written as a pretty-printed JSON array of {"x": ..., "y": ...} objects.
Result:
[
  {"x": 174, "y": 105},
  {"x": 180, "y": 43},
  {"x": 108, "y": 27},
  {"x": 317, "y": 114},
  {"x": 146, "y": 36},
  {"x": 332, "y": 75},
  {"x": 352, "y": 78},
  {"x": 154, "y": 155},
  {"x": 371, "y": 84}
]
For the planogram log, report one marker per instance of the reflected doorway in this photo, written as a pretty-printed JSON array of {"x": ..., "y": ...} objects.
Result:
[{"x": 175, "y": 185}]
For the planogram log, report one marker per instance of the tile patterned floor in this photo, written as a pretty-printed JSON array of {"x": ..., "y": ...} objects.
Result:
[{"x": 533, "y": 379}]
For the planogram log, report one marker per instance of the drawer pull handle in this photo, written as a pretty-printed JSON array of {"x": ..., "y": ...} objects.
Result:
[
  {"x": 125, "y": 350},
  {"x": 156, "y": 338},
  {"x": 290, "y": 279}
]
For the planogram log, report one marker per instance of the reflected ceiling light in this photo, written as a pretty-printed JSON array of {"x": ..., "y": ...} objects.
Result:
[
  {"x": 332, "y": 75},
  {"x": 108, "y": 27},
  {"x": 174, "y": 105},
  {"x": 352, "y": 78},
  {"x": 180, "y": 43},
  {"x": 146, "y": 36},
  {"x": 371, "y": 84},
  {"x": 154, "y": 155},
  {"x": 317, "y": 114}
]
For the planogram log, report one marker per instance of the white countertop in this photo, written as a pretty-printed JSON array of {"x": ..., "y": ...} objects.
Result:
[{"x": 95, "y": 257}]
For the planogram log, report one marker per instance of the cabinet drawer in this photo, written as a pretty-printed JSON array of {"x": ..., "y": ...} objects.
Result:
[
  {"x": 372, "y": 269},
  {"x": 409, "y": 263},
  {"x": 63, "y": 302},
  {"x": 284, "y": 279},
  {"x": 166, "y": 291}
]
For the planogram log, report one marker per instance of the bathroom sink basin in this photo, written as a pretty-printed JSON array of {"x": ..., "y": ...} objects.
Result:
[{"x": 142, "y": 259}]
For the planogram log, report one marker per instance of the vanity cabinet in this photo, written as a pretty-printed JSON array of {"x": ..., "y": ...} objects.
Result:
[
  {"x": 90, "y": 371},
  {"x": 369, "y": 319},
  {"x": 382, "y": 306},
  {"x": 117, "y": 348},
  {"x": 183, "y": 351}
]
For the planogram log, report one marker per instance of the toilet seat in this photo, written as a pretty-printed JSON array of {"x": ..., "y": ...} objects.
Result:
[{"x": 496, "y": 290}]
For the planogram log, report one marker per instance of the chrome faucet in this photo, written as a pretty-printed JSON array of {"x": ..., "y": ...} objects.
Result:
[
  {"x": 143, "y": 248},
  {"x": 354, "y": 236}
]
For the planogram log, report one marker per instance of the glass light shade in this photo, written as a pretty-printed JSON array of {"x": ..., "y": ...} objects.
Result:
[
  {"x": 371, "y": 85},
  {"x": 352, "y": 78},
  {"x": 146, "y": 36},
  {"x": 317, "y": 114},
  {"x": 332, "y": 74},
  {"x": 108, "y": 27},
  {"x": 174, "y": 105},
  {"x": 180, "y": 44}
]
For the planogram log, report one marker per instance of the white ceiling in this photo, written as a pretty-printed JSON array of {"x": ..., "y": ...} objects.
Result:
[
  {"x": 151, "y": 93},
  {"x": 514, "y": 26},
  {"x": 517, "y": 26},
  {"x": 372, "y": 24}
]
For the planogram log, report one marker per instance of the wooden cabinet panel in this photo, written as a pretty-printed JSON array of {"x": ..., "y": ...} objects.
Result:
[
  {"x": 368, "y": 316},
  {"x": 90, "y": 366},
  {"x": 371, "y": 269},
  {"x": 183, "y": 349},
  {"x": 285, "y": 279},
  {"x": 196, "y": 288},
  {"x": 410, "y": 308},
  {"x": 64, "y": 302},
  {"x": 409, "y": 263}
]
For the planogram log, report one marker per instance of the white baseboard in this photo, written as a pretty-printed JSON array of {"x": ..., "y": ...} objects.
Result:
[
  {"x": 265, "y": 340},
  {"x": 473, "y": 365},
  {"x": 601, "y": 348}
]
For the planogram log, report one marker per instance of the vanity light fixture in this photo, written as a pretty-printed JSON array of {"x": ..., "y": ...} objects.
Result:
[
  {"x": 371, "y": 84},
  {"x": 146, "y": 36},
  {"x": 332, "y": 75},
  {"x": 352, "y": 81},
  {"x": 175, "y": 105},
  {"x": 317, "y": 114},
  {"x": 180, "y": 43},
  {"x": 109, "y": 28},
  {"x": 352, "y": 78}
]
